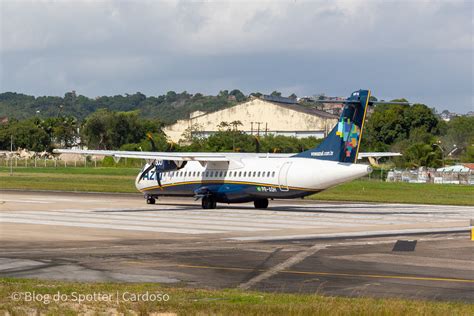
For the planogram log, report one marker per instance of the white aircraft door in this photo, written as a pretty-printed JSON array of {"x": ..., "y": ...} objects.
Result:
[{"x": 283, "y": 176}]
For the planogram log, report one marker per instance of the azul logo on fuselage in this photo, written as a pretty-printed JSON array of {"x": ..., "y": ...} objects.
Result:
[{"x": 151, "y": 175}]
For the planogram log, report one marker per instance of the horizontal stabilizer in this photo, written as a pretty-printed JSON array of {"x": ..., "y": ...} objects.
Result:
[{"x": 378, "y": 155}]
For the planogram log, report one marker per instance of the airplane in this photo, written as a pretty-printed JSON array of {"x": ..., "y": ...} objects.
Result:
[{"x": 257, "y": 177}]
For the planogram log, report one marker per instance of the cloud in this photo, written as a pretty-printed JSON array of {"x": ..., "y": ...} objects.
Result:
[{"x": 417, "y": 49}]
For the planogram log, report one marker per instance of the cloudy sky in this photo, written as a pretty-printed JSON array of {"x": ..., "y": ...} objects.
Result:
[{"x": 421, "y": 50}]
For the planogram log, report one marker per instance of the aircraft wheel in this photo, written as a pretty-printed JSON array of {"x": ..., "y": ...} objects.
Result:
[
  {"x": 208, "y": 203},
  {"x": 150, "y": 200},
  {"x": 261, "y": 203}
]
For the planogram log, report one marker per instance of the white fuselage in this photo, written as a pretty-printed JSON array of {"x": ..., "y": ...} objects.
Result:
[{"x": 279, "y": 177}]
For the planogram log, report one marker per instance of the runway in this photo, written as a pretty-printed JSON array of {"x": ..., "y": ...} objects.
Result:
[{"x": 294, "y": 246}]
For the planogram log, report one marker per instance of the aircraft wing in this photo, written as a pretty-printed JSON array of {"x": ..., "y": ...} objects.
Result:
[
  {"x": 378, "y": 155},
  {"x": 181, "y": 156},
  {"x": 197, "y": 156}
]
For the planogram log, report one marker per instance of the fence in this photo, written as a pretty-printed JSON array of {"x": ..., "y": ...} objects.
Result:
[
  {"x": 430, "y": 176},
  {"x": 48, "y": 163}
]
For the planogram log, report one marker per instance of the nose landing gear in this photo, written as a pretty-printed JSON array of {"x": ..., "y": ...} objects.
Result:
[{"x": 150, "y": 199}]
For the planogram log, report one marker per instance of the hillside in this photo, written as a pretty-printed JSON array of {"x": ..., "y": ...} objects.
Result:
[{"x": 166, "y": 108}]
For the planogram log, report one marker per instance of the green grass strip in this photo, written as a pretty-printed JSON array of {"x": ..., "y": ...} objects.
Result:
[{"x": 187, "y": 301}]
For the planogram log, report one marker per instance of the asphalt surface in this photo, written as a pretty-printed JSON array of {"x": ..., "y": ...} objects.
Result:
[{"x": 349, "y": 249}]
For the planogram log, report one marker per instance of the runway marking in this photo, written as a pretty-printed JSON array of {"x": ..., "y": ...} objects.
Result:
[
  {"x": 171, "y": 218},
  {"x": 300, "y": 256},
  {"x": 360, "y": 275},
  {"x": 156, "y": 223},
  {"x": 354, "y": 234},
  {"x": 27, "y": 201},
  {"x": 108, "y": 226}
]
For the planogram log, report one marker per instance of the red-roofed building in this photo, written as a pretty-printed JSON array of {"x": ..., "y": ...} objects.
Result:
[{"x": 469, "y": 165}]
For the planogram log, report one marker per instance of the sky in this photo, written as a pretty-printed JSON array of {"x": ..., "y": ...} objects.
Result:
[{"x": 420, "y": 50}]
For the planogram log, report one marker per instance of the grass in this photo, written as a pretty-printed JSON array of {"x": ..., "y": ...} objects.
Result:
[
  {"x": 418, "y": 193},
  {"x": 122, "y": 180},
  {"x": 186, "y": 301},
  {"x": 119, "y": 180}
]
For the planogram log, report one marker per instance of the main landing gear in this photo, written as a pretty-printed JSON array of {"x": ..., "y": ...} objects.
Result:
[
  {"x": 208, "y": 202},
  {"x": 261, "y": 203}
]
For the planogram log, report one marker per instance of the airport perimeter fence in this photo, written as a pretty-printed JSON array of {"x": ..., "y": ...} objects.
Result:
[
  {"x": 90, "y": 162},
  {"x": 430, "y": 176}
]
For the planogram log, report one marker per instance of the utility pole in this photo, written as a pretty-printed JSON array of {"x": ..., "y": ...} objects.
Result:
[
  {"x": 258, "y": 128},
  {"x": 11, "y": 154}
]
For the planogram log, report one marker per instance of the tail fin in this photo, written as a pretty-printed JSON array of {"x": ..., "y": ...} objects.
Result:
[{"x": 342, "y": 143}]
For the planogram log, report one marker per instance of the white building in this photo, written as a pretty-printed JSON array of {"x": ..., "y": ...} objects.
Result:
[{"x": 257, "y": 116}]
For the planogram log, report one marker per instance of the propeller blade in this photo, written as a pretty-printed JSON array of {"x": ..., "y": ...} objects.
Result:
[{"x": 158, "y": 176}]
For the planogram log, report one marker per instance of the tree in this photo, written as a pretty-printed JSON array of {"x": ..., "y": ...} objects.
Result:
[
  {"x": 468, "y": 155},
  {"x": 422, "y": 155},
  {"x": 409, "y": 129},
  {"x": 63, "y": 131},
  {"x": 235, "y": 125},
  {"x": 256, "y": 94},
  {"x": 171, "y": 96},
  {"x": 276, "y": 94},
  {"x": 27, "y": 134},
  {"x": 223, "y": 94},
  {"x": 239, "y": 96},
  {"x": 460, "y": 132},
  {"x": 111, "y": 130}
]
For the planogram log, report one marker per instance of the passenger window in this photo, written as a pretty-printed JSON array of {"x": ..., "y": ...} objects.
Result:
[
  {"x": 207, "y": 174},
  {"x": 254, "y": 174},
  {"x": 258, "y": 174},
  {"x": 245, "y": 174},
  {"x": 268, "y": 174},
  {"x": 240, "y": 173},
  {"x": 273, "y": 174}
]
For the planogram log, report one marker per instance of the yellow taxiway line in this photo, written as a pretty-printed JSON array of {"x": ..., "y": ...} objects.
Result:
[{"x": 356, "y": 275}]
